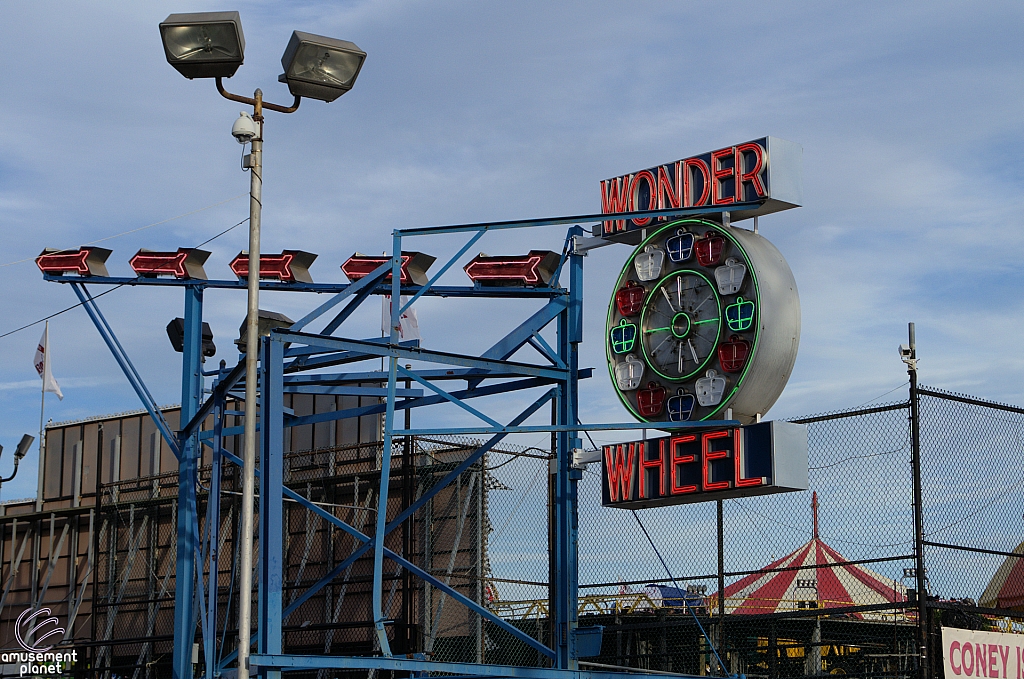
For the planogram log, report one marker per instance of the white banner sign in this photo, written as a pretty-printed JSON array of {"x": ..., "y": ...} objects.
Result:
[{"x": 994, "y": 655}]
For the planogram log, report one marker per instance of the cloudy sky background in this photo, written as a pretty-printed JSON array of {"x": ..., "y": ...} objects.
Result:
[{"x": 909, "y": 115}]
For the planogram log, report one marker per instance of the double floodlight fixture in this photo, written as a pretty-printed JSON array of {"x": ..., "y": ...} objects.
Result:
[{"x": 211, "y": 45}]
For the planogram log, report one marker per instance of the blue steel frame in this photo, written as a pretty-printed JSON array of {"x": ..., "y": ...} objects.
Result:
[{"x": 287, "y": 354}]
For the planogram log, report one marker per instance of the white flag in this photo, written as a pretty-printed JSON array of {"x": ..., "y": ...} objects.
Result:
[
  {"x": 42, "y": 363},
  {"x": 409, "y": 325}
]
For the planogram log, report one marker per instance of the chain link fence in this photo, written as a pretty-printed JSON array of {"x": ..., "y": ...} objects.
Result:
[
  {"x": 821, "y": 581},
  {"x": 793, "y": 584}
]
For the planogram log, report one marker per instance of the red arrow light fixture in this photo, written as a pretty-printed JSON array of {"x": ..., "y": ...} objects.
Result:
[
  {"x": 414, "y": 267},
  {"x": 530, "y": 270},
  {"x": 86, "y": 261},
  {"x": 185, "y": 263},
  {"x": 289, "y": 266}
]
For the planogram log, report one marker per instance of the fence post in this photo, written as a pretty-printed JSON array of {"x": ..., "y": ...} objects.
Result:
[
  {"x": 910, "y": 358},
  {"x": 721, "y": 583}
]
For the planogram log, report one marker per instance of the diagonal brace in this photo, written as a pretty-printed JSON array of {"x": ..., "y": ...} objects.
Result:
[{"x": 121, "y": 357}]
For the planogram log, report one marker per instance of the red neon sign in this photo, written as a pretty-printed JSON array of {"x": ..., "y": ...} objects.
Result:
[
  {"x": 86, "y": 261},
  {"x": 185, "y": 263},
  {"x": 413, "y": 269},
  {"x": 530, "y": 270},
  {"x": 769, "y": 457},
  {"x": 734, "y": 174},
  {"x": 288, "y": 266}
]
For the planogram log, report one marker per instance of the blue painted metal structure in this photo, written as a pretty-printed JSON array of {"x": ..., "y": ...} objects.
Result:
[{"x": 290, "y": 363}]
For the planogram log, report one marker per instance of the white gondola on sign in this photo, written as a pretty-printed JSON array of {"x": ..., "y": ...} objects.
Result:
[
  {"x": 629, "y": 373},
  {"x": 710, "y": 389},
  {"x": 730, "y": 276},
  {"x": 648, "y": 263}
]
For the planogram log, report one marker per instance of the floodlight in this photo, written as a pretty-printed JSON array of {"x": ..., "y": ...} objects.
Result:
[
  {"x": 204, "y": 44},
  {"x": 267, "y": 321},
  {"x": 320, "y": 68}
]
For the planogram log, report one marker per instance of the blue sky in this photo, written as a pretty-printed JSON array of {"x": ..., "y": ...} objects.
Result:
[{"x": 909, "y": 115}]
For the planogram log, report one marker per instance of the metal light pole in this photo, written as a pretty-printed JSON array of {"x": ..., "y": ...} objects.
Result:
[
  {"x": 908, "y": 353},
  {"x": 252, "y": 339},
  {"x": 211, "y": 45}
]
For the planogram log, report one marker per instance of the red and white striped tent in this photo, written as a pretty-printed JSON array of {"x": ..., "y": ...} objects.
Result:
[
  {"x": 772, "y": 590},
  {"x": 1006, "y": 588}
]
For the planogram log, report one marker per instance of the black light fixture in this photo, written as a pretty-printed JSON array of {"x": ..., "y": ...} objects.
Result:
[
  {"x": 204, "y": 44},
  {"x": 318, "y": 67},
  {"x": 176, "y": 333},
  {"x": 19, "y": 452},
  {"x": 23, "y": 446}
]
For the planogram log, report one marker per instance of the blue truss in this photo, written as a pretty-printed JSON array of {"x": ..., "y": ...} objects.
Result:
[{"x": 288, "y": 358}]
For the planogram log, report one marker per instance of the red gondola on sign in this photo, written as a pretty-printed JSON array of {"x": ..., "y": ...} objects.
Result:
[
  {"x": 630, "y": 298},
  {"x": 530, "y": 270},
  {"x": 83, "y": 261},
  {"x": 709, "y": 249},
  {"x": 288, "y": 266},
  {"x": 733, "y": 354},
  {"x": 414, "y": 267},
  {"x": 185, "y": 263},
  {"x": 651, "y": 400}
]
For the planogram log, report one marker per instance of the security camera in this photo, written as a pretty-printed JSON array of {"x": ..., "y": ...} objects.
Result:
[
  {"x": 906, "y": 351},
  {"x": 244, "y": 128}
]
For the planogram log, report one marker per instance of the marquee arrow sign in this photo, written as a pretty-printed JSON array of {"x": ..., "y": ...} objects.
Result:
[
  {"x": 88, "y": 261},
  {"x": 414, "y": 267},
  {"x": 288, "y": 266},
  {"x": 530, "y": 270},
  {"x": 185, "y": 263}
]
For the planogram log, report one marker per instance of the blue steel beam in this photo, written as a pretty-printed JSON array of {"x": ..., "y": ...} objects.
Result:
[
  {"x": 313, "y": 662},
  {"x": 385, "y": 457},
  {"x": 344, "y": 390},
  {"x": 508, "y": 429},
  {"x": 422, "y": 574},
  {"x": 433, "y": 279},
  {"x": 271, "y": 521},
  {"x": 576, "y": 219},
  {"x": 415, "y": 506},
  {"x": 225, "y": 384},
  {"x": 394, "y": 350},
  {"x": 213, "y": 535},
  {"x": 185, "y": 566},
  {"x": 368, "y": 282},
  {"x": 434, "y": 375},
  {"x": 513, "y": 341},
  {"x": 564, "y": 521},
  {"x": 448, "y": 397},
  {"x": 457, "y": 291},
  {"x": 119, "y": 354}
]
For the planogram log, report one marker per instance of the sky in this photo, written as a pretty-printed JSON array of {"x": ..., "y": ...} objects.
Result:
[{"x": 909, "y": 115}]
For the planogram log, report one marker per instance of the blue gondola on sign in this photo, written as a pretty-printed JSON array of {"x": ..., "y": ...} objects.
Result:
[
  {"x": 623, "y": 337},
  {"x": 679, "y": 246},
  {"x": 680, "y": 406},
  {"x": 740, "y": 315}
]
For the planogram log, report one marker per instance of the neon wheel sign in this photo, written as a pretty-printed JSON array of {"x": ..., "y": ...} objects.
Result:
[{"x": 703, "y": 318}]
